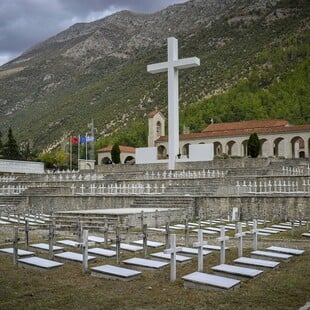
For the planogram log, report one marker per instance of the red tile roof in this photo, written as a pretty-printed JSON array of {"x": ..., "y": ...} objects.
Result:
[
  {"x": 241, "y": 129},
  {"x": 123, "y": 149}
]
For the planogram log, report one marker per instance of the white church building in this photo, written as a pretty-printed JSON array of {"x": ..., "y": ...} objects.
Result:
[{"x": 278, "y": 138}]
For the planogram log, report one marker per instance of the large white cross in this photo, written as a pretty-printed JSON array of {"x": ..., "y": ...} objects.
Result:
[{"x": 173, "y": 65}]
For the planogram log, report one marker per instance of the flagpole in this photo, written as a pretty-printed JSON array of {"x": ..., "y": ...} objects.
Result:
[
  {"x": 86, "y": 144},
  {"x": 79, "y": 151},
  {"x": 70, "y": 150}
]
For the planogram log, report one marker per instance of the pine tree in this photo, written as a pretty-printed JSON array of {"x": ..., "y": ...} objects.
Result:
[
  {"x": 116, "y": 154},
  {"x": 253, "y": 145},
  {"x": 10, "y": 149}
]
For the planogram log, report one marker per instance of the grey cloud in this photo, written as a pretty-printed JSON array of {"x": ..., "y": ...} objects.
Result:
[{"x": 24, "y": 23}]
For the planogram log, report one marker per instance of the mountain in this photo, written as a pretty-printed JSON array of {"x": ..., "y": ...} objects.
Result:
[{"x": 97, "y": 70}]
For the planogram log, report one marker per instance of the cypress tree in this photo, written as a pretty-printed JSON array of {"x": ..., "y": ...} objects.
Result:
[
  {"x": 253, "y": 145},
  {"x": 10, "y": 149},
  {"x": 116, "y": 154}
]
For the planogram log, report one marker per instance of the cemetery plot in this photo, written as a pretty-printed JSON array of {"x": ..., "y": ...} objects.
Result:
[
  {"x": 115, "y": 273},
  {"x": 38, "y": 263},
  {"x": 235, "y": 272},
  {"x": 145, "y": 264},
  {"x": 156, "y": 229},
  {"x": 72, "y": 256},
  {"x": 167, "y": 257},
  {"x": 151, "y": 244},
  {"x": 256, "y": 263},
  {"x": 206, "y": 231},
  {"x": 102, "y": 252},
  {"x": 205, "y": 281},
  {"x": 129, "y": 247},
  {"x": 285, "y": 250},
  {"x": 20, "y": 253},
  {"x": 306, "y": 235},
  {"x": 96, "y": 239},
  {"x": 193, "y": 252},
  {"x": 4, "y": 222},
  {"x": 285, "y": 227},
  {"x": 268, "y": 231},
  {"x": 70, "y": 243},
  {"x": 271, "y": 256},
  {"x": 44, "y": 247},
  {"x": 214, "y": 247}
]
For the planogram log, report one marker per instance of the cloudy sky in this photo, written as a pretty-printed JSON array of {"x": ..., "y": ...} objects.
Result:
[{"x": 24, "y": 23}]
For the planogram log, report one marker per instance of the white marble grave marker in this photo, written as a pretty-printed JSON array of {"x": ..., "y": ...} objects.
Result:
[
  {"x": 222, "y": 240},
  {"x": 239, "y": 235},
  {"x": 200, "y": 245},
  {"x": 172, "y": 66},
  {"x": 255, "y": 234},
  {"x": 173, "y": 252}
]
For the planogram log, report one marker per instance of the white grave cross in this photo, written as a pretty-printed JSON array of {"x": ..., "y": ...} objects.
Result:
[
  {"x": 239, "y": 235},
  {"x": 200, "y": 245},
  {"x": 172, "y": 66},
  {"x": 173, "y": 252},
  {"x": 222, "y": 239}
]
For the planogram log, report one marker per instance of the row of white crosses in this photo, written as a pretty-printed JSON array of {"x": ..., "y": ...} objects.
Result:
[
  {"x": 138, "y": 188},
  {"x": 295, "y": 171},
  {"x": 173, "y": 250},
  {"x": 184, "y": 174},
  {"x": 275, "y": 186},
  {"x": 6, "y": 179},
  {"x": 75, "y": 177},
  {"x": 12, "y": 189}
]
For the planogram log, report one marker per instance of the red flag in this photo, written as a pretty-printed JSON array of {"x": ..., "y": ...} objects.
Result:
[{"x": 74, "y": 140}]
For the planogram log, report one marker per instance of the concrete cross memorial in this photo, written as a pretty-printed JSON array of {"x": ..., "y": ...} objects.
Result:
[
  {"x": 172, "y": 66},
  {"x": 222, "y": 240},
  {"x": 200, "y": 245},
  {"x": 239, "y": 235},
  {"x": 255, "y": 234},
  {"x": 173, "y": 252}
]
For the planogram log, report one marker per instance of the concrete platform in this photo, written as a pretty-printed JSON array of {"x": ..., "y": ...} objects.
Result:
[
  {"x": 72, "y": 256},
  {"x": 214, "y": 247},
  {"x": 236, "y": 272},
  {"x": 256, "y": 263},
  {"x": 285, "y": 250},
  {"x": 38, "y": 263},
  {"x": 20, "y": 253},
  {"x": 129, "y": 247},
  {"x": 145, "y": 264},
  {"x": 271, "y": 256},
  {"x": 44, "y": 247},
  {"x": 70, "y": 243},
  {"x": 151, "y": 244},
  {"x": 205, "y": 281},
  {"x": 161, "y": 256},
  {"x": 99, "y": 252},
  {"x": 115, "y": 273},
  {"x": 193, "y": 251}
]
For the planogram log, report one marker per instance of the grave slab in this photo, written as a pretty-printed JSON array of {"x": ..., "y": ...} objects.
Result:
[
  {"x": 72, "y": 256},
  {"x": 157, "y": 229},
  {"x": 193, "y": 251},
  {"x": 285, "y": 250},
  {"x": 4, "y": 222},
  {"x": 129, "y": 247},
  {"x": 38, "y": 263},
  {"x": 271, "y": 256},
  {"x": 115, "y": 273},
  {"x": 96, "y": 239},
  {"x": 206, "y": 231},
  {"x": 20, "y": 253},
  {"x": 214, "y": 247},
  {"x": 205, "y": 281},
  {"x": 161, "y": 256},
  {"x": 256, "y": 263},
  {"x": 268, "y": 231},
  {"x": 44, "y": 247},
  {"x": 145, "y": 264},
  {"x": 68, "y": 242},
  {"x": 281, "y": 227},
  {"x": 236, "y": 272},
  {"x": 99, "y": 252},
  {"x": 306, "y": 235},
  {"x": 151, "y": 244}
]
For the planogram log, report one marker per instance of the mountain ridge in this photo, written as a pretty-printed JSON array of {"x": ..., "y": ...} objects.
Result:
[{"x": 55, "y": 88}]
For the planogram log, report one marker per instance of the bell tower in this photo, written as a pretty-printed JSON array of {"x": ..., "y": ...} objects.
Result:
[{"x": 156, "y": 127}]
